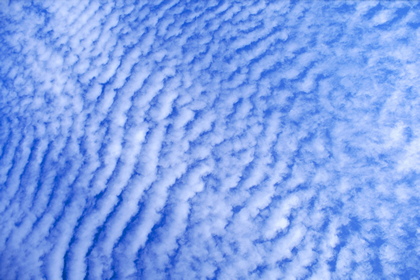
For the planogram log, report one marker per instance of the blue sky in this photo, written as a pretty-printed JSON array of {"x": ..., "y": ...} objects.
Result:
[{"x": 209, "y": 139}]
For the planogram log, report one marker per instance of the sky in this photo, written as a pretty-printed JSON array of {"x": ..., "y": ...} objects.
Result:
[{"x": 217, "y": 139}]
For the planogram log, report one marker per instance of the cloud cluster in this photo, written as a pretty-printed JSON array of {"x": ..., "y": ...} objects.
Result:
[{"x": 209, "y": 139}]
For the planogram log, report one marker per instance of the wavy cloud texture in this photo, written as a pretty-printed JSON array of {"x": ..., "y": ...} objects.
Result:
[{"x": 211, "y": 139}]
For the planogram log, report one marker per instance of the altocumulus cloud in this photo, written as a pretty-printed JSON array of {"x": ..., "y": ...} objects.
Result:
[{"x": 209, "y": 139}]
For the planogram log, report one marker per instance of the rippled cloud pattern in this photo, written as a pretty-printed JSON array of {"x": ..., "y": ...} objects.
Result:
[{"x": 215, "y": 139}]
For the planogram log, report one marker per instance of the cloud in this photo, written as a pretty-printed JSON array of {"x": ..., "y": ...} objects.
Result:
[{"x": 172, "y": 139}]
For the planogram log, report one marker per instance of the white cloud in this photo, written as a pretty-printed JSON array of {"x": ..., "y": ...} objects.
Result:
[{"x": 225, "y": 140}]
